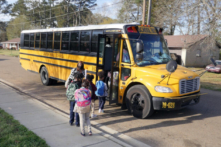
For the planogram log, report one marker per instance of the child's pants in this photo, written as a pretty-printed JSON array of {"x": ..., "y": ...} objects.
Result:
[
  {"x": 92, "y": 106},
  {"x": 73, "y": 115},
  {"x": 101, "y": 102},
  {"x": 84, "y": 119}
]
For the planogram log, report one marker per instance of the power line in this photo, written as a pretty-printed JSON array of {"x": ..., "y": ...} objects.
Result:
[{"x": 65, "y": 14}]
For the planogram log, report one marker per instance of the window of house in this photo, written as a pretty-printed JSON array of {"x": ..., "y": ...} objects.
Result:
[
  {"x": 198, "y": 53},
  {"x": 65, "y": 41},
  {"x": 85, "y": 41},
  {"x": 26, "y": 40},
  {"x": 37, "y": 40},
  {"x": 57, "y": 39},
  {"x": 94, "y": 40},
  {"x": 49, "y": 40},
  {"x": 74, "y": 41},
  {"x": 43, "y": 40},
  {"x": 32, "y": 40}
]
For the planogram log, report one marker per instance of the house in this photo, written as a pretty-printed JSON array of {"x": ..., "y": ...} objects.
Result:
[
  {"x": 11, "y": 44},
  {"x": 193, "y": 50}
]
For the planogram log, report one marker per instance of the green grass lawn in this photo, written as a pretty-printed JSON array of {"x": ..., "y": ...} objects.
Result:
[
  {"x": 14, "y": 53},
  {"x": 12, "y": 133},
  {"x": 209, "y": 80}
]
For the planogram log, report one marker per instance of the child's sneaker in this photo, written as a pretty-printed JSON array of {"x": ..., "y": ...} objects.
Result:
[
  {"x": 90, "y": 133},
  {"x": 99, "y": 111},
  {"x": 93, "y": 115}
]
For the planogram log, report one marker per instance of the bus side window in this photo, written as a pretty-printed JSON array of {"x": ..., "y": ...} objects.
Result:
[
  {"x": 57, "y": 40},
  {"x": 49, "y": 40},
  {"x": 125, "y": 53},
  {"x": 43, "y": 40},
  {"x": 94, "y": 40},
  {"x": 74, "y": 41},
  {"x": 65, "y": 41},
  {"x": 125, "y": 73},
  {"x": 32, "y": 39},
  {"x": 26, "y": 40},
  {"x": 85, "y": 41},
  {"x": 37, "y": 40}
]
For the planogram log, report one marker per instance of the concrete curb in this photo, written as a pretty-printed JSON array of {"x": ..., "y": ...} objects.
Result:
[{"x": 103, "y": 130}]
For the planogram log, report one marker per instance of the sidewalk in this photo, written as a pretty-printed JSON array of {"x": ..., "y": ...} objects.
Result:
[{"x": 50, "y": 124}]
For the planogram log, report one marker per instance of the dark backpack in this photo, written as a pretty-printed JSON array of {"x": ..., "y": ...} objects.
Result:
[{"x": 72, "y": 87}]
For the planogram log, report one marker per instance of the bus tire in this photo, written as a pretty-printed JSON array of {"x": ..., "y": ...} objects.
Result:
[
  {"x": 44, "y": 76},
  {"x": 139, "y": 102}
]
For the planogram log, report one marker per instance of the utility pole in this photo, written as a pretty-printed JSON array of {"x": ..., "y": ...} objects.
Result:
[
  {"x": 67, "y": 13},
  {"x": 50, "y": 13},
  {"x": 198, "y": 26},
  {"x": 144, "y": 11},
  {"x": 40, "y": 18},
  {"x": 44, "y": 18},
  {"x": 149, "y": 12},
  {"x": 80, "y": 13}
]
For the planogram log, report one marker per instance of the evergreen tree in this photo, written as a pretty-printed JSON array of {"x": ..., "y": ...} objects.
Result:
[
  {"x": 15, "y": 27},
  {"x": 19, "y": 8}
]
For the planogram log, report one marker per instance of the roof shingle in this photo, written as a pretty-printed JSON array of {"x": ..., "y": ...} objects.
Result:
[
  {"x": 180, "y": 41},
  {"x": 16, "y": 40}
]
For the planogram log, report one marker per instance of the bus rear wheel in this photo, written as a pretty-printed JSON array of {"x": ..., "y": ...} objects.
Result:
[
  {"x": 139, "y": 102},
  {"x": 44, "y": 76}
]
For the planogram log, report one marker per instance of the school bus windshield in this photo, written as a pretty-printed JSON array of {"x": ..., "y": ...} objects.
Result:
[{"x": 155, "y": 49}]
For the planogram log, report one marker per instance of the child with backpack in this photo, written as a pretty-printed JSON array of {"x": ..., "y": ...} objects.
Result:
[
  {"x": 93, "y": 88},
  {"x": 101, "y": 92},
  {"x": 72, "y": 87},
  {"x": 83, "y": 100}
]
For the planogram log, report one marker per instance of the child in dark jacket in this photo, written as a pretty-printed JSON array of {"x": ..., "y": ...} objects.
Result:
[
  {"x": 93, "y": 88},
  {"x": 72, "y": 87}
]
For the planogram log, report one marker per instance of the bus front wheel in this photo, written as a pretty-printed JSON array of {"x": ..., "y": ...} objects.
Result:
[
  {"x": 44, "y": 76},
  {"x": 139, "y": 102}
]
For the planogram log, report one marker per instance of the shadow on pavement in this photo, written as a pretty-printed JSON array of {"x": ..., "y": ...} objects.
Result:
[
  {"x": 202, "y": 111},
  {"x": 3, "y": 59}
]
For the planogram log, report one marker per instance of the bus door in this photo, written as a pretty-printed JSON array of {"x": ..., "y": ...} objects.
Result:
[
  {"x": 108, "y": 49},
  {"x": 114, "y": 73}
]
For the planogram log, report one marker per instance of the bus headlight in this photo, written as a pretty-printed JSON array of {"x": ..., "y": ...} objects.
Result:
[{"x": 163, "y": 89}]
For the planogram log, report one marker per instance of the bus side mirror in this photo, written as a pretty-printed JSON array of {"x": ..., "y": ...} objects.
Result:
[
  {"x": 139, "y": 56},
  {"x": 139, "y": 47},
  {"x": 171, "y": 66}
]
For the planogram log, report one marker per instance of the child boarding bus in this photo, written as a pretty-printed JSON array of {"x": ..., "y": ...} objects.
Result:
[{"x": 139, "y": 70}]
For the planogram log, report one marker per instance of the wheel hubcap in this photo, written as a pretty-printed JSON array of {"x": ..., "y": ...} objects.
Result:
[
  {"x": 137, "y": 102},
  {"x": 44, "y": 76}
]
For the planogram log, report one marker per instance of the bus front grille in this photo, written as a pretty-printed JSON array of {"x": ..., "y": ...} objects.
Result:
[{"x": 187, "y": 86}]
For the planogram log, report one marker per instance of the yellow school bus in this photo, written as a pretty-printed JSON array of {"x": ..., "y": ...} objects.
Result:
[{"x": 134, "y": 57}]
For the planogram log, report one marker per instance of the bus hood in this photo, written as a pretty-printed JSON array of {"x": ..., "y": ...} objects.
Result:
[{"x": 158, "y": 70}]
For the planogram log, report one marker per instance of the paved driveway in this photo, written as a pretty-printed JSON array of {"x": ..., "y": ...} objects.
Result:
[{"x": 195, "y": 126}]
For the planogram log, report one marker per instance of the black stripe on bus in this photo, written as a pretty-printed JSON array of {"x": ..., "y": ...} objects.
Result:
[
  {"x": 61, "y": 66},
  {"x": 75, "y": 61},
  {"x": 25, "y": 59},
  {"x": 92, "y": 54},
  {"x": 32, "y": 71}
]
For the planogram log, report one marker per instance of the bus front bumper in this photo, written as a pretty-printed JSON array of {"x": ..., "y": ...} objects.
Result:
[{"x": 176, "y": 103}]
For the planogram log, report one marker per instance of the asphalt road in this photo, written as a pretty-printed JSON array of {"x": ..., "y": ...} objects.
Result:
[{"x": 195, "y": 126}]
